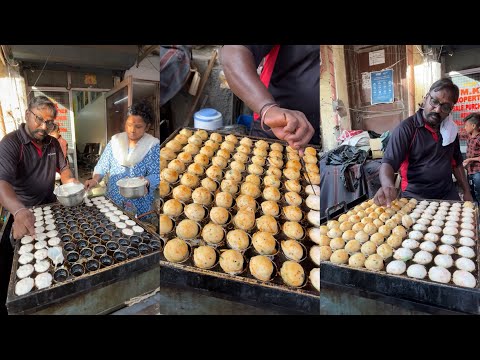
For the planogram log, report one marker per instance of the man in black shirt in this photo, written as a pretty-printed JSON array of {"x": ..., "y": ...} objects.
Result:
[
  {"x": 423, "y": 157},
  {"x": 29, "y": 159},
  {"x": 286, "y": 96}
]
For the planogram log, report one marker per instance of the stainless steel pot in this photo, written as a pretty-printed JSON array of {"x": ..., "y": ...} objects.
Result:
[
  {"x": 69, "y": 198},
  {"x": 131, "y": 192}
]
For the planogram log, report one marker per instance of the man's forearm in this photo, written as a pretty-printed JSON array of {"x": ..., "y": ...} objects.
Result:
[
  {"x": 66, "y": 176},
  {"x": 459, "y": 173},
  {"x": 241, "y": 74},
  {"x": 386, "y": 175},
  {"x": 8, "y": 197}
]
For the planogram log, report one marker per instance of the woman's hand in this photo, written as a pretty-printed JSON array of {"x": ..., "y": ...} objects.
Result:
[{"x": 90, "y": 184}]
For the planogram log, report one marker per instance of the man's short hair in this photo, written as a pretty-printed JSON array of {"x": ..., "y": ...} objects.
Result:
[
  {"x": 446, "y": 84},
  {"x": 41, "y": 101}
]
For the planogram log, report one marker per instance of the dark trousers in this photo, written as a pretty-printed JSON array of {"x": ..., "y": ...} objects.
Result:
[
  {"x": 474, "y": 182},
  {"x": 6, "y": 260}
]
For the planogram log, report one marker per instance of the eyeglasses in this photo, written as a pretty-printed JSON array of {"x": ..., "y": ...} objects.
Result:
[
  {"x": 444, "y": 107},
  {"x": 39, "y": 120}
]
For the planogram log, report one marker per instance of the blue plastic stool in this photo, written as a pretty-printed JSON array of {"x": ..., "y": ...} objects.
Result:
[{"x": 245, "y": 120}]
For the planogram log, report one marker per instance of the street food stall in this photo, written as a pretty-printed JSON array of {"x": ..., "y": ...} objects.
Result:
[
  {"x": 239, "y": 217},
  {"x": 89, "y": 258},
  {"x": 411, "y": 258}
]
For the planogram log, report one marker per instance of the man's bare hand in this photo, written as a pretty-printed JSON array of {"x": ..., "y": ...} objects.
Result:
[
  {"x": 467, "y": 197},
  {"x": 385, "y": 195},
  {"x": 291, "y": 126},
  {"x": 24, "y": 224}
]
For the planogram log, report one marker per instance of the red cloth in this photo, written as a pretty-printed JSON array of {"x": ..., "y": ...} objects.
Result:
[
  {"x": 267, "y": 71},
  {"x": 473, "y": 150},
  {"x": 347, "y": 134}
]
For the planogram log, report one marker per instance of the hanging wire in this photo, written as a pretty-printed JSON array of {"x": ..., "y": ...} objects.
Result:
[
  {"x": 369, "y": 111},
  {"x": 41, "y": 72},
  {"x": 152, "y": 64},
  {"x": 439, "y": 53},
  {"x": 388, "y": 67}
]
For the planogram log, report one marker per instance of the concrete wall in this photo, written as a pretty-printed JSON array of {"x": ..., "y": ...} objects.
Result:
[
  {"x": 91, "y": 124},
  {"x": 329, "y": 127},
  {"x": 338, "y": 53},
  {"x": 426, "y": 72},
  {"x": 148, "y": 69},
  {"x": 13, "y": 99}
]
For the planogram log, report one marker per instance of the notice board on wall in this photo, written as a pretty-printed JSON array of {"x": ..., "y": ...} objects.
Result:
[{"x": 381, "y": 83}]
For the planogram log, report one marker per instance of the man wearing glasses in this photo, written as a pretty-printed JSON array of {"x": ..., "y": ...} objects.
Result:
[
  {"x": 416, "y": 149},
  {"x": 29, "y": 159}
]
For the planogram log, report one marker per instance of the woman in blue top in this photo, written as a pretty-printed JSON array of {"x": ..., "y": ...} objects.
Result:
[{"x": 133, "y": 153}]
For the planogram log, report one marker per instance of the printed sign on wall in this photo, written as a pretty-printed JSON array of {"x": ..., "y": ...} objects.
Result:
[
  {"x": 468, "y": 100},
  {"x": 382, "y": 86}
]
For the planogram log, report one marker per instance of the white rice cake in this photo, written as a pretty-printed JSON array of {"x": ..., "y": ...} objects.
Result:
[
  {"x": 24, "y": 271},
  {"x": 24, "y": 286},
  {"x": 26, "y": 239},
  {"x": 43, "y": 280}
]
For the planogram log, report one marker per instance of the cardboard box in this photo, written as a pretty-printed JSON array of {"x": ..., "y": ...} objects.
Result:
[{"x": 376, "y": 147}]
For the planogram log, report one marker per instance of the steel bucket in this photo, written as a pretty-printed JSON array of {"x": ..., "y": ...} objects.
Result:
[
  {"x": 132, "y": 192},
  {"x": 70, "y": 194}
]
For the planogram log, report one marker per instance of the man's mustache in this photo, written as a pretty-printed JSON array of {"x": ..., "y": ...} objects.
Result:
[
  {"x": 434, "y": 116},
  {"x": 43, "y": 132}
]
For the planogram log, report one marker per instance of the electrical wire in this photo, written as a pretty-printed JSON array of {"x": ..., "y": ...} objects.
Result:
[
  {"x": 152, "y": 64},
  {"x": 369, "y": 111},
  {"x": 420, "y": 51},
  {"x": 41, "y": 72},
  {"x": 439, "y": 53}
]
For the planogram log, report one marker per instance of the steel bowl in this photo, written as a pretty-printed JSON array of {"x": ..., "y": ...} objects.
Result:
[
  {"x": 70, "y": 194},
  {"x": 132, "y": 192}
]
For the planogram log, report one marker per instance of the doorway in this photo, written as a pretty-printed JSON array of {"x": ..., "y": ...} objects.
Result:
[
  {"x": 90, "y": 129},
  {"x": 126, "y": 93}
]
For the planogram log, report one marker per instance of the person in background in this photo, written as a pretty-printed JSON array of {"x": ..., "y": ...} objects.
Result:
[
  {"x": 472, "y": 162},
  {"x": 175, "y": 69},
  {"x": 132, "y": 153},
  {"x": 286, "y": 95},
  {"x": 55, "y": 132},
  {"x": 425, "y": 149},
  {"x": 29, "y": 159}
]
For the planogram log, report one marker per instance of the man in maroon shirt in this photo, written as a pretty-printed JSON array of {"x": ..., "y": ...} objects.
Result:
[
  {"x": 29, "y": 159},
  {"x": 416, "y": 150}
]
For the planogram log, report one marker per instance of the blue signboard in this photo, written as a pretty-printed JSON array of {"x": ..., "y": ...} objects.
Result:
[{"x": 382, "y": 86}]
